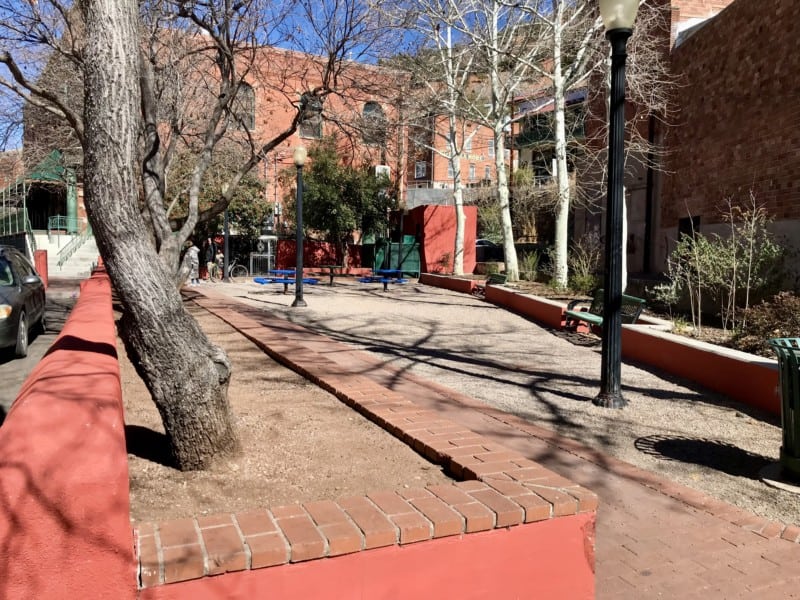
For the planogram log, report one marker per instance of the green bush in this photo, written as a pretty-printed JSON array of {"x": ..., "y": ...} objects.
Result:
[
  {"x": 778, "y": 317},
  {"x": 585, "y": 258},
  {"x": 529, "y": 265}
]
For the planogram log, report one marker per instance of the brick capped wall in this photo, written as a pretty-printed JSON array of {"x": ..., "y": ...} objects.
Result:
[{"x": 738, "y": 120}]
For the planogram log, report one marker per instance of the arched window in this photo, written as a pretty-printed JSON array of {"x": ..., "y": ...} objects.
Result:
[
  {"x": 244, "y": 107},
  {"x": 374, "y": 131}
]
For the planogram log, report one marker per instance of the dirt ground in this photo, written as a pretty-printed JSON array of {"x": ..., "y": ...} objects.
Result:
[{"x": 299, "y": 443}]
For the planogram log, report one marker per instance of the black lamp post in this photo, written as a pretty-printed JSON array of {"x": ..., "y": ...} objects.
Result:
[
  {"x": 299, "y": 158},
  {"x": 225, "y": 236},
  {"x": 618, "y": 17}
]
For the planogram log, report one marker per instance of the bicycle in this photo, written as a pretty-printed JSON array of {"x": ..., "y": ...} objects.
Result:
[{"x": 237, "y": 272}]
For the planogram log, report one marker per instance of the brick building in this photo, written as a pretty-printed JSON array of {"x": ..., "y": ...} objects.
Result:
[
  {"x": 737, "y": 126},
  {"x": 733, "y": 130}
]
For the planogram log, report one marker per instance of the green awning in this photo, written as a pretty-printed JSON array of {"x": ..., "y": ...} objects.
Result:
[{"x": 49, "y": 169}]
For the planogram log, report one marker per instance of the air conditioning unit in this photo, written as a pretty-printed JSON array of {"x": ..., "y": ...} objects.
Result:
[{"x": 381, "y": 170}]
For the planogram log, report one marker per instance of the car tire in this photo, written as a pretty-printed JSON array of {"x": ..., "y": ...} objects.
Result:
[{"x": 21, "y": 348}]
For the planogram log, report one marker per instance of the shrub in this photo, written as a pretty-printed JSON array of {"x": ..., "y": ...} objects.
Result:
[
  {"x": 585, "y": 257},
  {"x": 778, "y": 317},
  {"x": 529, "y": 265},
  {"x": 728, "y": 272}
]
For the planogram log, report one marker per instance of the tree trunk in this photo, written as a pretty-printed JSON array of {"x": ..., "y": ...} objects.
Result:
[
  {"x": 509, "y": 250},
  {"x": 561, "y": 258},
  {"x": 458, "y": 253},
  {"x": 186, "y": 375}
]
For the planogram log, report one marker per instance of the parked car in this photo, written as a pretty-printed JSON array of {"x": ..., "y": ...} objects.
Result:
[
  {"x": 487, "y": 250},
  {"x": 22, "y": 300}
]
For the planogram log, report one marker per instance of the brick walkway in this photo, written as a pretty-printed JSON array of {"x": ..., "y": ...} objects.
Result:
[{"x": 655, "y": 538}]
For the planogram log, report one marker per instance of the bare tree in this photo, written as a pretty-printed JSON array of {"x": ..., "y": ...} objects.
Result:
[
  {"x": 442, "y": 71},
  {"x": 578, "y": 56},
  {"x": 163, "y": 77},
  {"x": 498, "y": 33}
]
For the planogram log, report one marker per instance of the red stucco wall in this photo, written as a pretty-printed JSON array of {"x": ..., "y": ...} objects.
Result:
[
  {"x": 435, "y": 227},
  {"x": 64, "y": 519},
  {"x": 548, "y": 559},
  {"x": 40, "y": 263}
]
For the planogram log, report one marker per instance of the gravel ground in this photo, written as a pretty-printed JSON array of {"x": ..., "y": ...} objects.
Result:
[{"x": 670, "y": 426}]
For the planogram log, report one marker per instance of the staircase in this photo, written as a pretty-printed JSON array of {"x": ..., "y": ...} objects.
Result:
[{"x": 77, "y": 266}]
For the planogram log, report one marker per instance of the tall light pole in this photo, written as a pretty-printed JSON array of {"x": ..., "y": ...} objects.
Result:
[
  {"x": 618, "y": 17},
  {"x": 225, "y": 243},
  {"x": 299, "y": 158}
]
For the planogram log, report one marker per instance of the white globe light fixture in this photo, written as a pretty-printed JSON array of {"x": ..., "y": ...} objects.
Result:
[
  {"x": 618, "y": 14},
  {"x": 299, "y": 156}
]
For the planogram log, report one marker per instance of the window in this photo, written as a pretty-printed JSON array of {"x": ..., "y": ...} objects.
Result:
[
  {"x": 420, "y": 170},
  {"x": 374, "y": 125},
  {"x": 6, "y": 276},
  {"x": 472, "y": 172},
  {"x": 450, "y": 173},
  {"x": 243, "y": 107},
  {"x": 468, "y": 144},
  {"x": 491, "y": 147},
  {"x": 487, "y": 173}
]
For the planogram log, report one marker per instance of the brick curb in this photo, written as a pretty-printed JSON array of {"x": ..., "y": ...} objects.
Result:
[
  {"x": 500, "y": 488},
  {"x": 727, "y": 512}
]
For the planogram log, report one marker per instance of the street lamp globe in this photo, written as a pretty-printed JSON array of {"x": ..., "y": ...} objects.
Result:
[
  {"x": 299, "y": 156},
  {"x": 618, "y": 14}
]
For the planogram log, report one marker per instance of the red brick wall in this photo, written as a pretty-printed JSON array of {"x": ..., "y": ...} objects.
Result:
[{"x": 738, "y": 126}]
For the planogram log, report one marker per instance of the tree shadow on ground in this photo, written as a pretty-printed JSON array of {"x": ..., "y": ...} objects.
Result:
[
  {"x": 713, "y": 454},
  {"x": 149, "y": 445}
]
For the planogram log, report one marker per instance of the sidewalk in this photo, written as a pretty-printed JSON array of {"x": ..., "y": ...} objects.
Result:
[{"x": 655, "y": 538}]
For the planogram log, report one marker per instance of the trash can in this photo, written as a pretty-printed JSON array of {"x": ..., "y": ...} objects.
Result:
[{"x": 788, "y": 351}]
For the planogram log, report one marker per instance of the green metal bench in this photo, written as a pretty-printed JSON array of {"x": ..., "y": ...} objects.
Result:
[
  {"x": 496, "y": 279},
  {"x": 593, "y": 314}
]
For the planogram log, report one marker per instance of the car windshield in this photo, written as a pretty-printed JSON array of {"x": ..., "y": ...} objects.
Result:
[{"x": 6, "y": 275}]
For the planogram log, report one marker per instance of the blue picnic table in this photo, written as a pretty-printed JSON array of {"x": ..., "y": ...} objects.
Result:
[
  {"x": 384, "y": 276},
  {"x": 284, "y": 276}
]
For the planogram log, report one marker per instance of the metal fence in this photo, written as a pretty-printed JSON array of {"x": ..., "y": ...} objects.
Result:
[{"x": 261, "y": 264}]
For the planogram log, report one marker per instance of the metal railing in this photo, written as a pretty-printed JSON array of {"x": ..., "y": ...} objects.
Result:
[
  {"x": 67, "y": 251},
  {"x": 62, "y": 223}
]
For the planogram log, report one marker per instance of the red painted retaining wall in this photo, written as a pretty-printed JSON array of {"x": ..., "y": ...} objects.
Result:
[
  {"x": 466, "y": 286},
  {"x": 747, "y": 378},
  {"x": 750, "y": 379},
  {"x": 64, "y": 513},
  {"x": 65, "y": 532},
  {"x": 544, "y": 560},
  {"x": 545, "y": 311}
]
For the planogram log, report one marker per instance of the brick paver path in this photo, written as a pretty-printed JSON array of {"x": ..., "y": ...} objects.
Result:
[{"x": 655, "y": 538}]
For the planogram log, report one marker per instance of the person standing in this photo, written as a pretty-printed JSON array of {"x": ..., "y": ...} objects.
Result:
[
  {"x": 210, "y": 256},
  {"x": 193, "y": 254}
]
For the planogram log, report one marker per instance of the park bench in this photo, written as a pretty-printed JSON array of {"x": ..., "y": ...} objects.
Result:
[
  {"x": 593, "y": 314},
  {"x": 491, "y": 279},
  {"x": 496, "y": 279}
]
